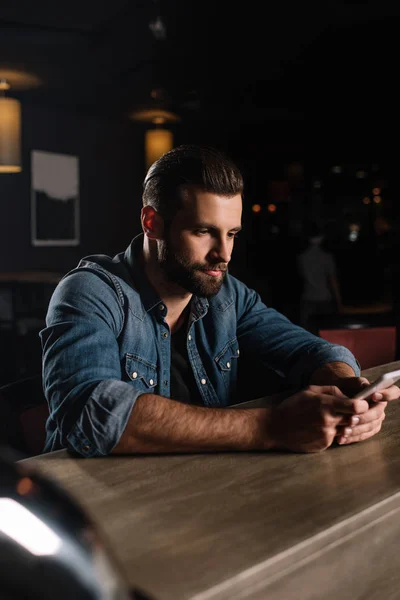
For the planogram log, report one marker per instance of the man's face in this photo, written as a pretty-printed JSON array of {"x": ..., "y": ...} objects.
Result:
[{"x": 198, "y": 245}]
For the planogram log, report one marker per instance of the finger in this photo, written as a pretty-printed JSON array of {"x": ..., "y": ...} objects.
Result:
[
  {"x": 347, "y": 406},
  {"x": 375, "y": 412},
  {"x": 387, "y": 395},
  {"x": 360, "y": 437},
  {"x": 344, "y": 433},
  {"x": 360, "y": 433},
  {"x": 355, "y": 430},
  {"x": 331, "y": 390},
  {"x": 349, "y": 420}
]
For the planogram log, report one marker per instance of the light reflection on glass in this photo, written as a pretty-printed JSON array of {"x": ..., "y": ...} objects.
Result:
[{"x": 26, "y": 529}]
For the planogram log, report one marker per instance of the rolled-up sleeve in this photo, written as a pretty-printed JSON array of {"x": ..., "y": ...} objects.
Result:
[
  {"x": 89, "y": 404},
  {"x": 283, "y": 346}
]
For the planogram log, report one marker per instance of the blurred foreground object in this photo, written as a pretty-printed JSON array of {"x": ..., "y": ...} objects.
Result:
[{"x": 49, "y": 548}]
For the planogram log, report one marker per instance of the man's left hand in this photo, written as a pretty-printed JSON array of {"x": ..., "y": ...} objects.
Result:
[{"x": 362, "y": 427}]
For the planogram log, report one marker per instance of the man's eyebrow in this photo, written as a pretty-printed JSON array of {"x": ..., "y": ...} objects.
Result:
[{"x": 209, "y": 226}]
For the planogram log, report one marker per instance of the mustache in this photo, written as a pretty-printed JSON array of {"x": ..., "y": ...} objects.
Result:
[{"x": 217, "y": 267}]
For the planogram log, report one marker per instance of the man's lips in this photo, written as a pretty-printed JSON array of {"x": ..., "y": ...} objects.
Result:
[{"x": 214, "y": 272}]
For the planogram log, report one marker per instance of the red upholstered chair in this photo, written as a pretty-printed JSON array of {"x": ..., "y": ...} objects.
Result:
[
  {"x": 23, "y": 414},
  {"x": 372, "y": 346},
  {"x": 371, "y": 337}
]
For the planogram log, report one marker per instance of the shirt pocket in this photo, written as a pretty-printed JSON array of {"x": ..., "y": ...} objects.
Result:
[
  {"x": 227, "y": 363},
  {"x": 142, "y": 374}
]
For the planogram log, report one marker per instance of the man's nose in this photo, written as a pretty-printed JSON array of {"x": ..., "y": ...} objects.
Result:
[{"x": 222, "y": 250}]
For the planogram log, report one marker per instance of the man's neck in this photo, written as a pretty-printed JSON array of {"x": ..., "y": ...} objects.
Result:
[{"x": 175, "y": 298}]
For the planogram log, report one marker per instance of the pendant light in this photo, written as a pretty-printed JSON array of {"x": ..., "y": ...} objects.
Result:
[
  {"x": 10, "y": 131},
  {"x": 158, "y": 139}
]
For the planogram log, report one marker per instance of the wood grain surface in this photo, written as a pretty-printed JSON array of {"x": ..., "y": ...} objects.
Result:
[{"x": 253, "y": 525}]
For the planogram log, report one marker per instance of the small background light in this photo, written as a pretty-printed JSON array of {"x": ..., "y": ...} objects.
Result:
[
  {"x": 354, "y": 231},
  {"x": 24, "y": 486}
]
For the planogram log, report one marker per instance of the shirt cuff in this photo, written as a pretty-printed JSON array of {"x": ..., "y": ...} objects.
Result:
[
  {"x": 103, "y": 419},
  {"x": 303, "y": 370}
]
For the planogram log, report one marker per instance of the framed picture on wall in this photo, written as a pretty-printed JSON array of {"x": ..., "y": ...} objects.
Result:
[{"x": 54, "y": 199}]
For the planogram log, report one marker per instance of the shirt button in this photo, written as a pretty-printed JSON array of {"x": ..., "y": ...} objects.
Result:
[
  {"x": 189, "y": 337},
  {"x": 134, "y": 374},
  {"x": 151, "y": 382},
  {"x": 165, "y": 334},
  {"x": 228, "y": 365},
  {"x": 203, "y": 381},
  {"x": 86, "y": 448},
  {"x": 161, "y": 307}
]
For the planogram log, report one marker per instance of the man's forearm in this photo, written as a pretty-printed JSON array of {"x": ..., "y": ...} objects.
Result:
[
  {"x": 328, "y": 374},
  {"x": 158, "y": 424}
]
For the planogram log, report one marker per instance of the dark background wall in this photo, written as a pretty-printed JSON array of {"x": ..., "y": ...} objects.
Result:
[{"x": 111, "y": 166}]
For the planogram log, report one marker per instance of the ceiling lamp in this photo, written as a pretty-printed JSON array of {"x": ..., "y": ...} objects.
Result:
[
  {"x": 10, "y": 132},
  {"x": 158, "y": 140},
  {"x": 154, "y": 115}
]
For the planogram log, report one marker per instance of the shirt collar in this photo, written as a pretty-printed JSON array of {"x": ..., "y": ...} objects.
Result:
[
  {"x": 149, "y": 296},
  {"x": 132, "y": 255}
]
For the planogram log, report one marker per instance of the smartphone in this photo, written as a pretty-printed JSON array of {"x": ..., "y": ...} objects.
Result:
[{"x": 379, "y": 384}]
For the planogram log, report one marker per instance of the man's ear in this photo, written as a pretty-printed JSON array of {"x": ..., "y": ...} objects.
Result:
[{"x": 152, "y": 223}]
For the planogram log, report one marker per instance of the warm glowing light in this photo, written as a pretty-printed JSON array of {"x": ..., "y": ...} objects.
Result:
[
  {"x": 10, "y": 169},
  {"x": 354, "y": 227},
  {"x": 19, "y": 80},
  {"x": 150, "y": 115},
  {"x": 376, "y": 191},
  {"x": 367, "y": 200},
  {"x": 271, "y": 208},
  {"x": 377, "y": 199},
  {"x": 157, "y": 143},
  {"x": 10, "y": 135},
  {"x": 256, "y": 208},
  {"x": 24, "y": 486},
  {"x": 22, "y": 526}
]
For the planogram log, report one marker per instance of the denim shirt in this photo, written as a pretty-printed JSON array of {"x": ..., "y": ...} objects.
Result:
[{"x": 106, "y": 342}]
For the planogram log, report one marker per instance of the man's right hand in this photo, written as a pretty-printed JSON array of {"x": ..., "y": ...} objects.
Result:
[{"x": 309, "y": 420}]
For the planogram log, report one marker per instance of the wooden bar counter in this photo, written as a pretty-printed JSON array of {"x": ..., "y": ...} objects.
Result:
[{"x": 272, "y": 525}]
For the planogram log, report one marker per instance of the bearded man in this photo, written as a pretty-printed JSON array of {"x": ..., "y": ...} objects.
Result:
[{"x": 142, "y": 352}]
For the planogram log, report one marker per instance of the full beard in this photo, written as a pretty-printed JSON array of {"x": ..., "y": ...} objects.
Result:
[{"x": 189, "y": 275}]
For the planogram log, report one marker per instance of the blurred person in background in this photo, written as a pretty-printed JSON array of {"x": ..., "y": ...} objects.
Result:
[
  {"x": 387, "y": 248},
  {"x": 321, "y": 290},
  {"x": 387, "y": 244}
]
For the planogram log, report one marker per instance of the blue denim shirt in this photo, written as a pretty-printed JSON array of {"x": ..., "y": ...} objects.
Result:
[{"x": 106, "y": 342}]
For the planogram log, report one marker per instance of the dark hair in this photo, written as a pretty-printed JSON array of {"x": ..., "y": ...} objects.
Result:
[{"x": 202, "y": 166}]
